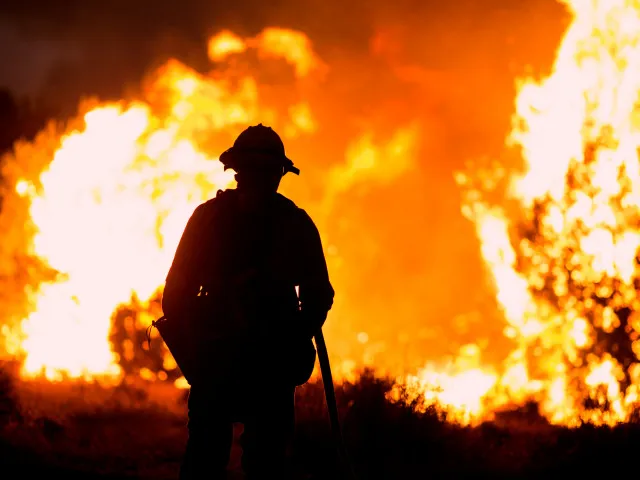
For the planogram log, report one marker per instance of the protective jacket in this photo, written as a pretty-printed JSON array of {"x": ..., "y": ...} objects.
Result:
[{"x": 251, "y": 285}]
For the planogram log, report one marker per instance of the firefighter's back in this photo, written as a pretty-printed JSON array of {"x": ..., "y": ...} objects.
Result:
[{"x": 250, "y": 304}]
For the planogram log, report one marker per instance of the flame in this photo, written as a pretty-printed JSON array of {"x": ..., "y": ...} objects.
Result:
[
  {"x": 108, "y": 209},
  {"x": 98, "y": 205},
  {"x": 561, "y": 246},
  {"x": 119, "y": 180},
  {"x": 224, "y": 44},
  {"x": 457, "y": 386},
  {"x": 108, "y": 194},
  {"x": 292, "y": 46}
]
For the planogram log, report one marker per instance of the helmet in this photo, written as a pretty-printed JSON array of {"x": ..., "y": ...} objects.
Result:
[{"x": 257, "y": 144}]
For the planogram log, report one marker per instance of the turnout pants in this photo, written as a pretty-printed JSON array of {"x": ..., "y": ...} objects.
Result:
[{"x": 267, "y": 412}]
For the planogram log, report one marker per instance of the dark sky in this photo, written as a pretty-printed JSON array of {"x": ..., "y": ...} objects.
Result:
[
  {"x": 69, "y": 47},
  {"x": 99, "y": 46}
]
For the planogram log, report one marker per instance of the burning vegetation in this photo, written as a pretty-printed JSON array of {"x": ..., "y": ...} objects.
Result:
[
  {"x": 92, "y": 211},
  {"x": 560, "y": 237}
]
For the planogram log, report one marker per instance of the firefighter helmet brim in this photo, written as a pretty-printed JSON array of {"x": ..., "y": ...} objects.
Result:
[{"x": 258, "y": 147}]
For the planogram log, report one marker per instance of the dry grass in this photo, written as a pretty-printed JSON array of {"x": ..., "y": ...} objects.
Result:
[{"x": 83, "y": 432}]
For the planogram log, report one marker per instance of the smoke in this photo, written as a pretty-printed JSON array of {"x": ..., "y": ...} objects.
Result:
[
  {"x": 76, "y": 48},
  {"x": 73, "y": 48},
  {"x": 446, "y": 71}
]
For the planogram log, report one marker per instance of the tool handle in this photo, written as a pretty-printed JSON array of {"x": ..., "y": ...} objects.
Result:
[{"x": 332, "y": 407}]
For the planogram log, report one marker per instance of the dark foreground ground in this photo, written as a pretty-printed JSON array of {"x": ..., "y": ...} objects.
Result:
[{"x": 88, "y": 432}]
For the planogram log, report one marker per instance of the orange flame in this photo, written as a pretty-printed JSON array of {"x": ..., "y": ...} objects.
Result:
[
  {"x": 562, "y": 249},
  {"x": 105, "y": 199},
  {"x": 108, "y": 209},
  {"x": 108, "y": 195}
]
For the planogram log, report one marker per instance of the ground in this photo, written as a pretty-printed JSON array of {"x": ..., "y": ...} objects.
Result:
[{"x": 97, "y": 432}]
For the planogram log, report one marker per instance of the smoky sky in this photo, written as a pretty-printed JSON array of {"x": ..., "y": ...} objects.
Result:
[{"x": 61, "y": 50}]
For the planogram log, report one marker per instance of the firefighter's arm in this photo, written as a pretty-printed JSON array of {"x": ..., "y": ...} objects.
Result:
[
  {"x": 182, "y": 284},
  {"x": 316, "y": 293}
]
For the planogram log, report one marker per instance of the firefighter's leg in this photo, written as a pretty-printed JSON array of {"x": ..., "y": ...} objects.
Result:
[
  {"x": 210, "y": 438},
  {"x": 267, "y": 434}
]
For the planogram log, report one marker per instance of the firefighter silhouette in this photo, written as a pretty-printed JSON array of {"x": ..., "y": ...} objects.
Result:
[{"x": 249, "y": 282}]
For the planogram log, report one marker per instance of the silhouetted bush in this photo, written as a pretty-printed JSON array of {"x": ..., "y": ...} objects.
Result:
[{"x": 122, "y": 433}]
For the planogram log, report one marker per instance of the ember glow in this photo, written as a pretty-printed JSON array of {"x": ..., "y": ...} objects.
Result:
[{"x": 106, "y": 198}]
